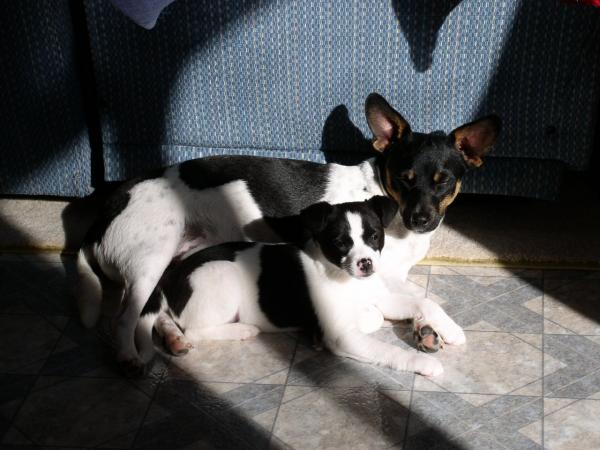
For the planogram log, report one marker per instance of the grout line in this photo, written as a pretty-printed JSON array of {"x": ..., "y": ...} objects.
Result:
[
  {"x": 150, "y": 403},
  {"x": 562, "y": 407},
  {"x": 512, "y": 333},
  {"x": 543, "y": 357},
  {"x": 573, "y": 333},
  {"x": 283, "y": 393},
  {"x": 594, "y": 371},
  {"x": 410, "y": 400},
  {"x": 11, "y": 422},
  {"x": 412, "y": 388}
]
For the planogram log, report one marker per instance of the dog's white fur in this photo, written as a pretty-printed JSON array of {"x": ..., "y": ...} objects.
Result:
[
  {"x": 348, "y": 307},
  {"x": 165, "y": 218}
]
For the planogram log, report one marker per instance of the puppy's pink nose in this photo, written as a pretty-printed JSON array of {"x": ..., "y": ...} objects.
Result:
[{"x": 365, "y": 265}]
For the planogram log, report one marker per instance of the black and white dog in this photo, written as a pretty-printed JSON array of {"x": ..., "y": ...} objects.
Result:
[
  {"x": 199, "y": 203},
  {"x": 237, "y": 289}
]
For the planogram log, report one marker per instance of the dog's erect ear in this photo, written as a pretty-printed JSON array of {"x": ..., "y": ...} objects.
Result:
[
  {"x": 385, "y": 122},
  {"x": 384, "y": 207},
  {"x": 475, "y": 139},
  {"x": 315, "y": 217}
]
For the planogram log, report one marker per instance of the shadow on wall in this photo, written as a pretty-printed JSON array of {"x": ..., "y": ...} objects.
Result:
[
  {"x": 42, "y": 90},
  {"x": 157, "y": 84},
  {"x": 342, "y": 142},
  {"x": 420, "y": 21}
]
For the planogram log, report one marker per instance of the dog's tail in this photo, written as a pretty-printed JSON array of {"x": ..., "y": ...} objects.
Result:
[
  {"x": 143, "y": 331},
  {"x": 89, "y": 291}
]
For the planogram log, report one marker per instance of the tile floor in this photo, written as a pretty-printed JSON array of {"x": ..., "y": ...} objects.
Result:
[{"x": 529, "y": 376}]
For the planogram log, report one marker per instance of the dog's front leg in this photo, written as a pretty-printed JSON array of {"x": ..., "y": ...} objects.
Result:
[
  {"x": 359, "y": 346},
  {"x": 399, "y": 306}
]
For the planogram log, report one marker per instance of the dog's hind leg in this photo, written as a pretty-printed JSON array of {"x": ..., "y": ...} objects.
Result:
[
  {"x": 143, "y": 337},
  {"x": 136, "y": 297},
  {"x": 88, "y": 289},
  {"x": 174, "y": 339}
]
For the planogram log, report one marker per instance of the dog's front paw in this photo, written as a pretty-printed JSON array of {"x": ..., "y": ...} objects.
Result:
[
  {"x": 426, "y": 339},
  {"x": 453, "y": 335},
  {"x": 427, "y": 336},
  {"x": 426, "y": 365}
]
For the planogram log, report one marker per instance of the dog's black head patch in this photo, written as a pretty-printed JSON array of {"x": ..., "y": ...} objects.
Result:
[
  {"x": 350, "y": 235},
  {"x": 423, "y": 172}
]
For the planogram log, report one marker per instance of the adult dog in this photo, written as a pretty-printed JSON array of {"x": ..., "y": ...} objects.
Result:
[{"x": 148, "y": 222}]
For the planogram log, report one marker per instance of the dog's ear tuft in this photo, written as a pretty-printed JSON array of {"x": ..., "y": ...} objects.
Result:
[
  {"x": 385, "y": 122},
  {"x": 314, "y": 218},
  {"x": 384, "y": 207},
  {"x": 475, "y": 139}
]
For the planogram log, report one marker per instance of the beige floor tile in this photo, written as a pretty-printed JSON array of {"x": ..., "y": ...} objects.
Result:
[
  {"x": 573, "y": 305},
  {"x": 338, "y": 418},
  {"x": 235, "y": 361},
  {"x": 490, "y": 363},
  {"x": 573, "y": 427},
  {"x": 552, "y": 405}
]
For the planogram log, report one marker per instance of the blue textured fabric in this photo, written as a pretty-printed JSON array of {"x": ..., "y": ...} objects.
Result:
[
  {"x": 268, "y": 78},
  {"x": 44, "y": 147}
]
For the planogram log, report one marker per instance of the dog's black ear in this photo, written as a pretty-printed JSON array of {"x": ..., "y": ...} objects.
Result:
[
  {"x": 385, "y": 122},
  {"x": 384, "y": 207},
  {"x": 475, "y": 139},
  {"x": 315, "y": 217}
]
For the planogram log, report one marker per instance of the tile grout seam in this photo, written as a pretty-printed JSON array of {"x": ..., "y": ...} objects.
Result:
[{"x": 271, "y": 435}]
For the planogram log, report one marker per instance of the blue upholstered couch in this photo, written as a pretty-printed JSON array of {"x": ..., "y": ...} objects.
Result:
[{"x": 89, "y": 94}]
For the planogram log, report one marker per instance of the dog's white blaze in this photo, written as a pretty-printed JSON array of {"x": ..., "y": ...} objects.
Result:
[{"x": 360, "y": 249}]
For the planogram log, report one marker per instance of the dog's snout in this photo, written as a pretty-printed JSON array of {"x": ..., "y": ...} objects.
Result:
[
  {"x": 420, "y": 219},
  {"x": 365, "y": 265}
]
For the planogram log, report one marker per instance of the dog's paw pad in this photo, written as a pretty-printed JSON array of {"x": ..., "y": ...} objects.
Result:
[
  {"x": 178, "y": 345},
  {"x": 426, "y": 338}
]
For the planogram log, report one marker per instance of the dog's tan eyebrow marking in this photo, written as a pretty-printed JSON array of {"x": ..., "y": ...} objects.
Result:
[{"x": 438, "y": 176}]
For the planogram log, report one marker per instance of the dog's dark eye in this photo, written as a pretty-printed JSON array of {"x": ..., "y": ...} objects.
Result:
[
  {"x": 441, "y": 178},
  {"x": 375, "y": 237},
  {"x": 407, "y": 178},
  {"x": 342, "y": 242}
]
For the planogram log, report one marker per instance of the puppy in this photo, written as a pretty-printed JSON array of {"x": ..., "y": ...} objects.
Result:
[
  {"x": 235, "y": 290},
  {"x": 150, "y": 221}
]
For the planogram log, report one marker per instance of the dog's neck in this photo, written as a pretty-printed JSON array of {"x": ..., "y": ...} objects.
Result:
[{"x": 378, "y": 164}]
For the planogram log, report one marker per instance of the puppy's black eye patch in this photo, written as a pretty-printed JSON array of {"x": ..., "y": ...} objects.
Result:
[{"x": 342, "y": 242}]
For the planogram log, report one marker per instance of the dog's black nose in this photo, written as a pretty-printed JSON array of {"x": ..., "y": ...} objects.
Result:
[
  {"x": 420, "y": 220},
  {"x": 365, "y": 265}
]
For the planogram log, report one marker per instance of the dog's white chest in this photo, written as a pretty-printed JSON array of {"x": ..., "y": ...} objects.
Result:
[{"x": 403, "y": 249}]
